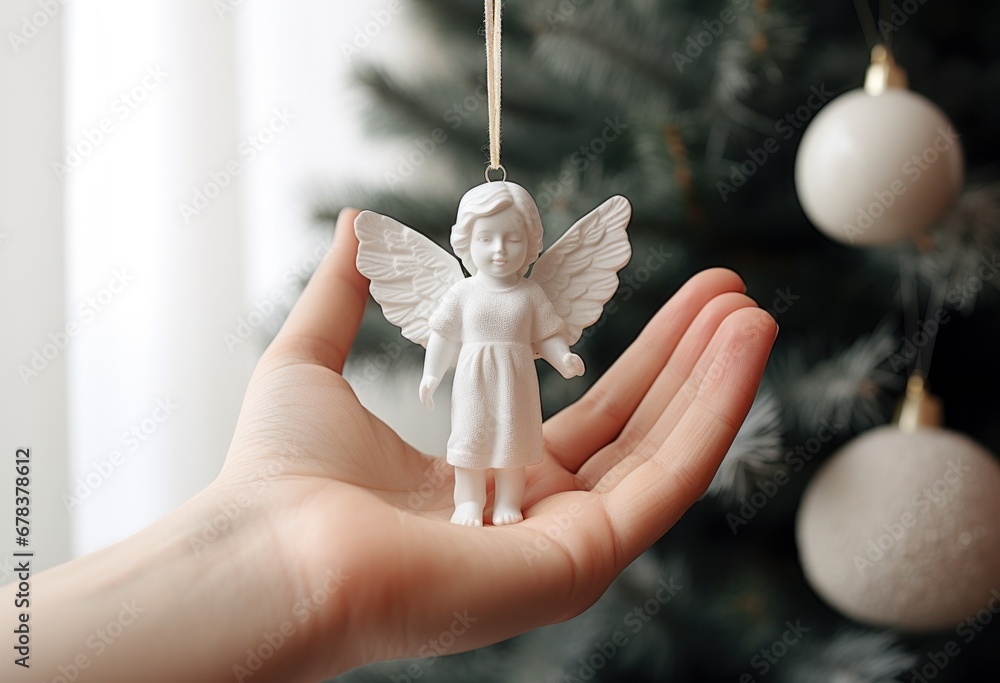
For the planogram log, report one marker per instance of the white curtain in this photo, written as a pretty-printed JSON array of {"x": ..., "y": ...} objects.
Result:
[
  {"x": 160, "y": 163},
  {"x": 32, "y": 278}
]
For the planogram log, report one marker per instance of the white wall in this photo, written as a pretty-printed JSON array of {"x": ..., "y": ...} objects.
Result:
[
  {"x": 32, "y": 281},
  {"x": 151, "y": 292}
]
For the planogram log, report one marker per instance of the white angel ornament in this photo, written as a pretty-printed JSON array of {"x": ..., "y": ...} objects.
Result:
[{"x": 491, "y": 326}]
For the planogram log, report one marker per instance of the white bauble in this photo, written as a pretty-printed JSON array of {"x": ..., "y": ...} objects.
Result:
[
  {"x": 902, "y": 529},
  {"x": 878, "y": 169}
]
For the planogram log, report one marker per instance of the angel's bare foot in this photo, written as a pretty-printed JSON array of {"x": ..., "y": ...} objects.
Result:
[
  {"x": 505, "y": 515},
  {"x": 509, "y": 496},
  {"x": 468, "y": 514},
  {"x": 470, "y": 496}
]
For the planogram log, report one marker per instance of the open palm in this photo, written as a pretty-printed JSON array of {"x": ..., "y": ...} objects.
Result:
[{"x": 621, "y": 465}]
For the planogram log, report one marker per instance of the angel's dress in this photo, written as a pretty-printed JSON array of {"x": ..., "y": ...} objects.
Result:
[{"x": 496, "y": 415}]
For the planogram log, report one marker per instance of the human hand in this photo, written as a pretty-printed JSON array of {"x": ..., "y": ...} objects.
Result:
[
  {"x": 331, "y": 545},
  {"x": 621, "y": 466}
]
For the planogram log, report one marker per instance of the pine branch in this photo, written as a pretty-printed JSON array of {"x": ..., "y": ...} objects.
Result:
[
  {"x": 755, "y": 453},
  {"x": 613, "y": 52},
  {"x": 431, "y": 214},
  {"x": 843, "y": 394},
  {"x": 854, "y": 654},
  {"x": 404, "y": 109},
  {"x": 459, "y": 20}
]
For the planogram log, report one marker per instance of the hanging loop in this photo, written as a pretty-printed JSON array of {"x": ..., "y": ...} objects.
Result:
[{"x": 496, "y": 168}]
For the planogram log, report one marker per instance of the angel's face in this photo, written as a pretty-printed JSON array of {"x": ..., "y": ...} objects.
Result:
[{"x": 499, "y": 245}]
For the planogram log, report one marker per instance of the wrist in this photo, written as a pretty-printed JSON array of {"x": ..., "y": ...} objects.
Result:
[{"x": 184, "y": 598}]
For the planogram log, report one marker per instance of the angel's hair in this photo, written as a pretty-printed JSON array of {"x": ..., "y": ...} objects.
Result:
[{"x": 486, "y": 200}]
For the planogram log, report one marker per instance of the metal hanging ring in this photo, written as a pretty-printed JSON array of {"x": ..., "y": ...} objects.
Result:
[{"x": 496, "y": 168}]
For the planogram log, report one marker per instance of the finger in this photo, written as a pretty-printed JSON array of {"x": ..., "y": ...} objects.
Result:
[
  {"x": 652, "y": 496},
  {"x": 657, "y": 403},
  {"x": 577, "y": 432},
  {"x": 321, "y": 327}
]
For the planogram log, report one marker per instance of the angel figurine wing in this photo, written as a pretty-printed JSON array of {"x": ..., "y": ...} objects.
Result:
[
  {"x": 579, "y": 273},
  {"x": 409, "y": 273}
]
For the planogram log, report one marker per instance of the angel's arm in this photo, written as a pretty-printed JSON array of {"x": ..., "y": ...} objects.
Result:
[
  {"x": 439, "y": 359},
  {"x": 556, "y": 351}
]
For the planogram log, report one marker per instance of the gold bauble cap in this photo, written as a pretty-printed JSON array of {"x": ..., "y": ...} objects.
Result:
[
  {"x": 884, "y": 72},
  {"x": 919, "y": 407}
]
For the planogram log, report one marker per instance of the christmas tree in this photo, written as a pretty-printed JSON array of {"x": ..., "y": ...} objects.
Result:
[{"x": 694, "y": 111}]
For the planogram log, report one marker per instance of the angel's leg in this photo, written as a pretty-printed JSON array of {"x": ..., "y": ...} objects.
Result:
[
  {"x": 509, "y": 496},
  {"x": 470, "y": 496}
]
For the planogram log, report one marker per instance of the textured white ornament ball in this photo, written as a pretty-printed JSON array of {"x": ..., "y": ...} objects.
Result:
[
  {"x": 878, "y": 169},
  {"x": 902, "y": 529}
]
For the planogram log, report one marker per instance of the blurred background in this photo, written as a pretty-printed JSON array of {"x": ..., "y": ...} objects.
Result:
[
  {"x": 170, "y": 177},
  {"x": 162, "y": 164}
]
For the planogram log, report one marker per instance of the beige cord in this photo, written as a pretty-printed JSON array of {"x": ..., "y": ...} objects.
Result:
[{"x": 493, "y": 25}]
